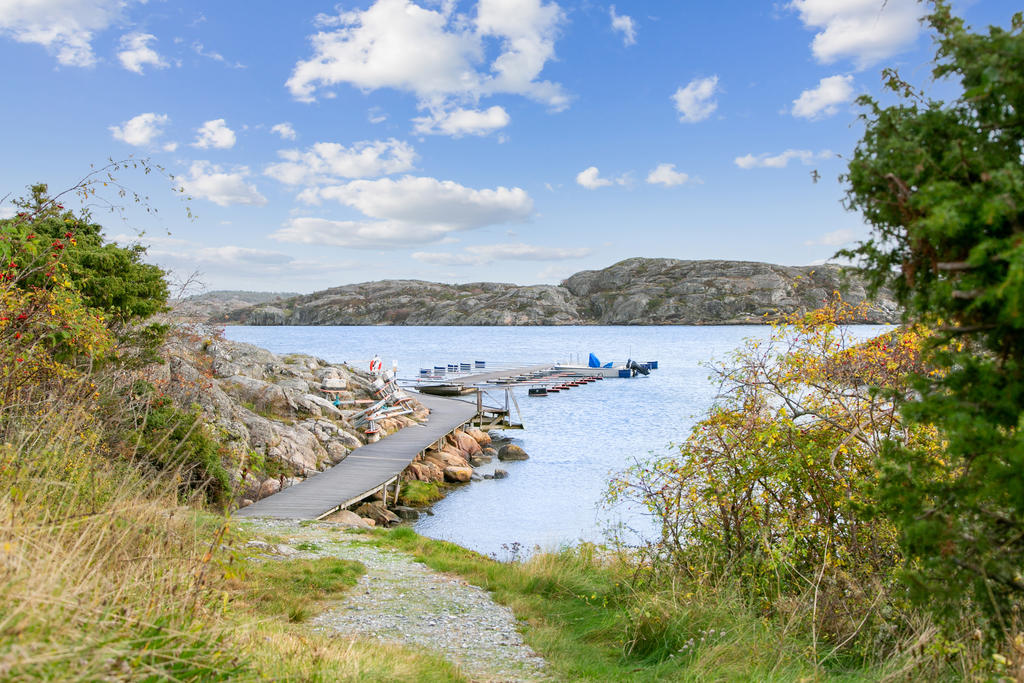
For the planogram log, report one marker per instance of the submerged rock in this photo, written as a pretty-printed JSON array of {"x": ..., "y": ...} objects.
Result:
[
  {"x": 512, "y": 452},
  {"x": 406, "y": 512}
]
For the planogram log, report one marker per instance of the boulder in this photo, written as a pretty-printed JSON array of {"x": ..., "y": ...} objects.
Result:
[
  {"x": 511, "y": 452},
  {"x": 336, "y": 451},
  {"x": 478, "y": 460},
  {"x": 458, "y": 474},
  {"x": 466, "y": 443},
  {"x": 378, "y": 513},
  {"x": 431, "y": 471},
  {"x": 500, "y": 474},
  {"x": 406, "y": 512},
  {"x": 269, "y": 487},
  {"x": 481, "y": 437},
  {"x": 246, "y": 502},
  {"x": 415, "y": 471},
  {"x": 490, "y": 451},
  {"x": 348, "y": 518}
]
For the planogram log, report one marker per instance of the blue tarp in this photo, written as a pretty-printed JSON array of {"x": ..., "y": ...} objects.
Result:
[
  {"x": 594, "y": 362},
  {"x": 608, "y": 365}
]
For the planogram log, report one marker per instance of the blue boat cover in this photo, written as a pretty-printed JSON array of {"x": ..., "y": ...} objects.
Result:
[
  {"x": 608, "y": 365},
  {"x": 594, "y": 362}
]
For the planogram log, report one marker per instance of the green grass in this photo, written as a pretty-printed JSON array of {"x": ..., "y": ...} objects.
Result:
[
  {"x": 292, "y": 589},
  {"x": 420, "y": 493},
  {"x": 592, "y": 619}
]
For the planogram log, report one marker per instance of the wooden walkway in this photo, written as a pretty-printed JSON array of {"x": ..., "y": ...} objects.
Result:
[{"x": 367, "y": 469}]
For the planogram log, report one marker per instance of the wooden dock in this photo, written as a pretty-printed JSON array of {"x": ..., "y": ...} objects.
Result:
[{"x": 367, "y": 470}]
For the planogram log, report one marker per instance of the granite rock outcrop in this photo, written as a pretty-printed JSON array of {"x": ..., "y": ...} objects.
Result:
[{"x": 637, "y": 291}]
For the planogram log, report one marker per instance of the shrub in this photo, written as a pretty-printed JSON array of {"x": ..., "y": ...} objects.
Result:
[{"x": 776, "y": 481}]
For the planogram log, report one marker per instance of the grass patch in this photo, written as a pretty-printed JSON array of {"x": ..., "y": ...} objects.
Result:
[
  {"x": 420, "y": 493},
  {"x": 592, "y": 618},
  {"x": 291, "y": 589}
]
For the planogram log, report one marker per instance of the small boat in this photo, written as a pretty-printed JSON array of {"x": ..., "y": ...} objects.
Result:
[{"x": 538, "y": 391}]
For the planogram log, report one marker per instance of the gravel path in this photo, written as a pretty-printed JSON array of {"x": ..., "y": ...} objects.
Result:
[{"x": 404, "y": 601}]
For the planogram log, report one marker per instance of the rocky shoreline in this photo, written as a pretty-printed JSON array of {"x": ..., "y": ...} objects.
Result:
[{"x": 275, "y": 429}]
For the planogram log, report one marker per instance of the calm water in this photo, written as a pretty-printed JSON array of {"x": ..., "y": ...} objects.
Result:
[{"x": 574, "y": 439}]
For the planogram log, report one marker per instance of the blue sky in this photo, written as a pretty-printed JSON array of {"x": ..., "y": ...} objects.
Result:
[{"x": 501, "y": 140}]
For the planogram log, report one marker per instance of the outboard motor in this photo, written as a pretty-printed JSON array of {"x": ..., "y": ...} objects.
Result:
[{"x": 637, "y": 367}]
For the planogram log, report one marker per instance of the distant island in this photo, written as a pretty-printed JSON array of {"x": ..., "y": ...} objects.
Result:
[{"x": 637, "y": 291}]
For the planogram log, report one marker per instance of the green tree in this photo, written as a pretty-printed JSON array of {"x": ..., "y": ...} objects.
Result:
[
  {"x": 110, "y": 278},
  {"x": 942, "y": 185}
]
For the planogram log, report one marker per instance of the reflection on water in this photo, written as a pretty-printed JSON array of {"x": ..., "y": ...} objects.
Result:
[{"x": 574, "y": 439}]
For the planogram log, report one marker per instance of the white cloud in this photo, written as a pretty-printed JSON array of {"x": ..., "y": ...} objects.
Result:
[
  {"x": 141, "y": 130},
  {"x": 7, "y": 212},
  {"x": 836, "y": 238},
  {"x": 824, "y": 100},
  {"x": 667, "y": 175},
  {"x": 215, "y": 134},
  {"x": 409, "y": 210},
  {"x": 866, "y": 31},
  {"x": 431, "y": 201},
  {"x": 327, "y": 162},
  {"x": 695, "y": 102},
  {"x": 376, "y": 115},
  {"x": 170, "y": 146},
  {"x": 458, "y": 122},
  {"x": 200, "y": 50},
  {"x": 623, "y": 24},
  {"x": 186, "y": 256},
  {"x": 436, "y": 54},
  {"x": 484, "y": 254},
  {"x": 591, "y": 179},
  {"x": 208, "y": 181},
  {"x": 805, "y": 156},
  {"x": 285, "y": 130},
  {"x": 135, "y": 52},
  {"x": 64, "y": 27}
]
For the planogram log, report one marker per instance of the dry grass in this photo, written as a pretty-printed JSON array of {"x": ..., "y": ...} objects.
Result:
[{"x": 106, "y": 575}]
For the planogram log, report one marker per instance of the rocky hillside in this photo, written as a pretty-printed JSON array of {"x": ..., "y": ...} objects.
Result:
[
  {"x": 636, "y": 291},
  {"x": 275, "y": 428},
  {"x": 217, "y": 305},
  {"x": 273, "y": 425}
]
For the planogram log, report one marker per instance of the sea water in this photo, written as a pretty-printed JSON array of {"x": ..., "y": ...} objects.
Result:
[{"x": 576, "y": 439}]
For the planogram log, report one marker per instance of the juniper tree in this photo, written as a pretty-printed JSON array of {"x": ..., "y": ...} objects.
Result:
[{"x": 942, "y": 186}]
